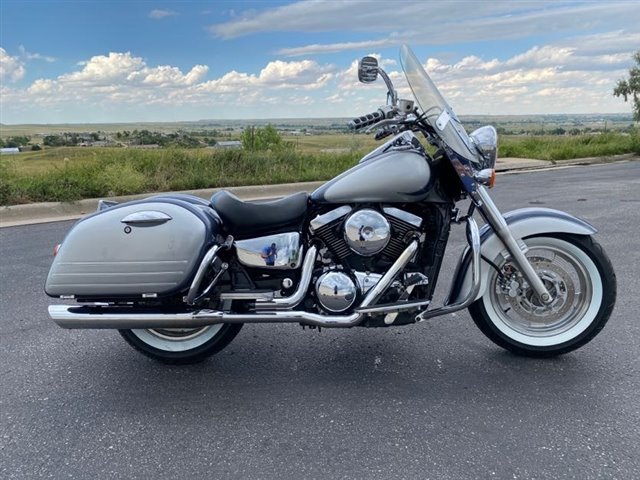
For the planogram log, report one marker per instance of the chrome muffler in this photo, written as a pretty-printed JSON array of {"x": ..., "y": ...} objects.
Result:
[{"x": 72, "y": 316}]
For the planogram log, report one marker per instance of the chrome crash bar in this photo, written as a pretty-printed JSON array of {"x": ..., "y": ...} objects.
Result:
[{"x": 473, "y": 235}]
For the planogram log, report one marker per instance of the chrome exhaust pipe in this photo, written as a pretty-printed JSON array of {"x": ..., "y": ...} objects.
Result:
[
  {"x": 71, "y": 316},
  {"x": 291, "y": 301},
  {"x": 79, "y": 316}
]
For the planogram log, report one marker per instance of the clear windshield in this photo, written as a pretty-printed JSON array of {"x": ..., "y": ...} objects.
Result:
[{"x": 437, "y": 111}]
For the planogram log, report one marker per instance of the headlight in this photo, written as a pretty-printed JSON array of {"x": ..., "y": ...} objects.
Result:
[{"x": 486, "y": 141}]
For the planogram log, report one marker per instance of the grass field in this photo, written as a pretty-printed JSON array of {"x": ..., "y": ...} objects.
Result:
[{"x": 66, "y": 174}]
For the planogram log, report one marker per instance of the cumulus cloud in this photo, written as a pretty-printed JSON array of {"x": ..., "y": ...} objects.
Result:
[
  {"x": 276, "y": 75},
  {"x": 125, "y": 80},
  {"x": 570, "y": 76},
  {"x": 11, "y": 68},
  {"x": 160, "y": 14},
  {"x": 545, "y": 79}
]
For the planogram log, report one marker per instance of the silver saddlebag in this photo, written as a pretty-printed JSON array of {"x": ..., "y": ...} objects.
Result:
[{"x": 138, "y": 249}]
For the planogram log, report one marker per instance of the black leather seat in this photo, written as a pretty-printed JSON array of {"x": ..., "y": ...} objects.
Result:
[{"x": 252, "y": 218}]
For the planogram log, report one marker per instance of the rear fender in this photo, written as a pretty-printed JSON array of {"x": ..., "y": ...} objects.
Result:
[{"x": 524, "y": 222}]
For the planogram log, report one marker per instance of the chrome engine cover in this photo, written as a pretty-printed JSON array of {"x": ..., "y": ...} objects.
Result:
[
  {"x": 336, "y": 291},
  {"x": 367, "y": 232}
]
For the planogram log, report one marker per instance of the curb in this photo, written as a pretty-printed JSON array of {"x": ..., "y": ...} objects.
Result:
[{"x": 34, "y": 213}]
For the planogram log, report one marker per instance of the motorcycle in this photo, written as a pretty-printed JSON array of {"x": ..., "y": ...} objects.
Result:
[{"x": 179, "y": 276}]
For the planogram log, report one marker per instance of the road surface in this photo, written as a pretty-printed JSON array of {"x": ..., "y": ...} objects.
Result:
[{"x": 435, "y": 400}]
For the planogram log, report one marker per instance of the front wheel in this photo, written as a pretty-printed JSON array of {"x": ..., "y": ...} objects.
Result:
[
  {"x": 581, "y": 280},
  {"x": 181, "y": 345}
]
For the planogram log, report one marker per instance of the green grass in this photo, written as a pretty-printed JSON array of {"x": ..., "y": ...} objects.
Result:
[
  {"x": 67, "y": 174},
  {"x": 107, "y": 172},
  {"x": 568, "y": 147}
]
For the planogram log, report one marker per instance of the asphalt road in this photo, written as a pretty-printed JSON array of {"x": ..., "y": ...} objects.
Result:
[{"x": 435, "y": 400}]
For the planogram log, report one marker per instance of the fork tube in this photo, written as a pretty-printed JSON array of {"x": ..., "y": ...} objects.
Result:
[{"x": 495, "y": 219}]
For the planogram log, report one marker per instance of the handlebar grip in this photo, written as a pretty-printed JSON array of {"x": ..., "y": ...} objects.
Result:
[{"x": 366, "y": 120}]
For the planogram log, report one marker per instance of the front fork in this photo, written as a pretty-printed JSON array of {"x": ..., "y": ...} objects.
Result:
[{"x": 494, "y": 218}]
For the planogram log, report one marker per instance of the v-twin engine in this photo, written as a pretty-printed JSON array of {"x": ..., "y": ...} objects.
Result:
[{"x": 366, "y": 232}]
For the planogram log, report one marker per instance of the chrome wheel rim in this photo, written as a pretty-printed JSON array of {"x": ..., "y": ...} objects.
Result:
[{"x": 570, "y": 276}]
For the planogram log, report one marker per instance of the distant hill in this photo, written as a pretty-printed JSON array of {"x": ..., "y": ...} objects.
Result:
[{"x": 511, "y": 123}]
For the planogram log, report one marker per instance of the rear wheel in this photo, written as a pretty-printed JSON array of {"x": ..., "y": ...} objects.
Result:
[
  {"x": 581, "y": 280},
  {"x": 181, "y": 345}
]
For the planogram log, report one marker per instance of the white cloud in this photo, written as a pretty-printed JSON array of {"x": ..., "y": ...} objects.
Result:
[
  {"x": 427, "y": 22},
  {"x": 11, "y": 68},
  {"x": 367, "y": 15},
  {"x": 160, "y": 14},
  {"x": 277, "y": 75},
  {"x": 570, "y": 76},
  {"x": 34, "y": 56},
  {"x": 125, "y": 81}
]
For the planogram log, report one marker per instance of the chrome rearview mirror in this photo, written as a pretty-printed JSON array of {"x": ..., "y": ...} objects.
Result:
[{"x": 368, "y": 69}]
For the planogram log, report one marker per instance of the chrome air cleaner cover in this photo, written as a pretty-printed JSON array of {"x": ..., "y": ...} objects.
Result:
[{"x": 367, "y": 232}]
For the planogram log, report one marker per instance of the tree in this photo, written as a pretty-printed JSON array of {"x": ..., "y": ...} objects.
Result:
[
  {"x": 631, "y": 87},
  {"x": 261, "y": 138}
]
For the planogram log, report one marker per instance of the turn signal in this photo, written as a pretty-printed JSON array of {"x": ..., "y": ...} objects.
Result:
[
  {"x": 486, "y": 177},
  {"x": 56, "y": 249},
  {"x": 492, "y": 178}
]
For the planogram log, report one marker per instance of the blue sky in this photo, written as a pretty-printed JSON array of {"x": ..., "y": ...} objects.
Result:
[{"x": 106, "y": 61}]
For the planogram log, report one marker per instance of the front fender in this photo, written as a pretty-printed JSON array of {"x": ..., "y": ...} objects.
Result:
[{"x": 524, "y": 222}]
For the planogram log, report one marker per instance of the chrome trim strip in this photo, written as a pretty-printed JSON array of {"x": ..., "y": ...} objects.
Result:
[
  {"x": 406, "y": 217},
  {"x": 394, "y": 307},
  {"x": 263, "y": 296},
  {"x": 326, "y": 218},
  {"x": 146, "y": 217}
]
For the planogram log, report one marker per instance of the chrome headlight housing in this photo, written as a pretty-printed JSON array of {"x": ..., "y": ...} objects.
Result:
[{"x": 485, "y": 140}]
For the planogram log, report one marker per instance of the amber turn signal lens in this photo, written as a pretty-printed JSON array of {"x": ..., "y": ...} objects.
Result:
[{"x": 492, "y": 179}]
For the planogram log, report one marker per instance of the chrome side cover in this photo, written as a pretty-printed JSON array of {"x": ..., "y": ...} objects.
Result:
[{"x": 282, "y": 251}]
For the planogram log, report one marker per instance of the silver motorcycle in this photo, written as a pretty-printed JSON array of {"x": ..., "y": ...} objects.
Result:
[{"x": 178, "y": 276}]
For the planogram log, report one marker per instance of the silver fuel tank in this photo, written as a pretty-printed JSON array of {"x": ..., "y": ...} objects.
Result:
[{"x": 392, "y": 177}]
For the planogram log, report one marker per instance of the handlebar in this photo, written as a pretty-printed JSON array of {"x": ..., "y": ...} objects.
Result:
[{"x": 368, "y": 119}]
